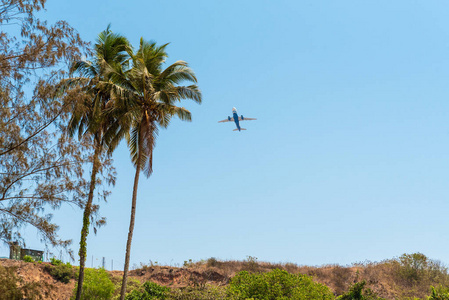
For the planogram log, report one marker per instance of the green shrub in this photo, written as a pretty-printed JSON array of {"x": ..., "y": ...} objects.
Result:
[
  {"x": 97, "y": 285},
  {"x": 61, "y": 272},
  {"x": 439, "y": 293},
  {"x": 149, "y": 290},
  {"x": 276, "y": 284},
  {"x": 28, "y": 258},
  {"x": 55, "y": 262},
  {"x": 359, "y": 292}
]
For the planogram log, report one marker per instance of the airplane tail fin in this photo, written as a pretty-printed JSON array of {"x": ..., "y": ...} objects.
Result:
[{"x": 240, "y": 129}]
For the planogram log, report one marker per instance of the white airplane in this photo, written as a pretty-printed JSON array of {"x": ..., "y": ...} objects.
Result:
[{"x": 236, "y": 119}]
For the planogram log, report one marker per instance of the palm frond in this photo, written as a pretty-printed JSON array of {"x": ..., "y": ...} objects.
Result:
[
  {"x": 84, "y": 69},
  {"x": 148, "y": 144},
  {"x": 189, "y": 92},
  {"x": 176, "y": 73},
  {"x": 183, "y": 114}
]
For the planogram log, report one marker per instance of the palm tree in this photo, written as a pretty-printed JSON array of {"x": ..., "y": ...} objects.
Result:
[
  {"x": 88, "y": 117},
  {"x": 146, "y": 102}
]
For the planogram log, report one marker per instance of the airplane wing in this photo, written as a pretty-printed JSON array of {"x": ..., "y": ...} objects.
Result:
[
  {"x": 246, "y": 119},
  {"x": 226, "y": 120}
]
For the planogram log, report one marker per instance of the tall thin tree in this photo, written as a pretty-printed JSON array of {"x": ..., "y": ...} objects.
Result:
[
  {"x": 147, "y": 102},
  {"x": 88, "y": 117}
]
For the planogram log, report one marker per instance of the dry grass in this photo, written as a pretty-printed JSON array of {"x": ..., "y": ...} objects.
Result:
[
  {"x": 405, "y": 277},
  {"x": 390, "y": 279}
]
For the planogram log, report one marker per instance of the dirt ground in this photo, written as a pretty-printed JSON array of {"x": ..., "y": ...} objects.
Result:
[{"x": 34, "y": 272}]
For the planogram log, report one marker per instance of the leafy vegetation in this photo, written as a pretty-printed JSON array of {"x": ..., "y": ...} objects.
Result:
[
  {"x": 60, "y": 271},
  {"x": 416, "y": 267},
  {"x": 358, "y": 291},
  {"x": 148, "y": 103},
  {"x": 131, "y": 285},
  {"x": 97, "y": 285},
  {"x": 216, "y": 279},
  {"x": 55, "y": 262},
  {"x": 122, "y": 93},
  {"x": 90, "y": 121},
  {"x": 149, "y": 290},
  {"x": 125, "y": 94},
  {"x": 439, "y": 293},
  {"x": 28, "y": 258},
  {"x": 277, "y": 284},
  {"x": 37, "y": 169}
]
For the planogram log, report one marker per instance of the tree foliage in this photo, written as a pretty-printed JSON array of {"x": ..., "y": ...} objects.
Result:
[
  {"x": 40, "y": 167},
  {"x": 89, "y": 119},
  {"x": 146, "y": 99},
  {"x": 417, "y": 269}
]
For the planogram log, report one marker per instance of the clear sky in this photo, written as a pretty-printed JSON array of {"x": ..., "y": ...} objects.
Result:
[{"x": 348, "y": 160}]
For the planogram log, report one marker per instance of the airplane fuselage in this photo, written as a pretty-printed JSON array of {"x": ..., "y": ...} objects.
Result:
[{"x": 236, "y": 120}]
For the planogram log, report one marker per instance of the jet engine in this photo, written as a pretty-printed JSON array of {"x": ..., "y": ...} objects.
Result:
[
  {"x": 229, "y": 118},
  {"x": 242, "y": 117}
]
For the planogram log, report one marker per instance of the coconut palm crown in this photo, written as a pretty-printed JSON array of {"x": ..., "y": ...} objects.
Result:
[
  {"x": 147, "y": 100},
  {"x": 110, "y": 57}
]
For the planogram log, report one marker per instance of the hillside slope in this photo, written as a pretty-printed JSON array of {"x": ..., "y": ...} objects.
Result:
[{"x": 407, "y": 276}]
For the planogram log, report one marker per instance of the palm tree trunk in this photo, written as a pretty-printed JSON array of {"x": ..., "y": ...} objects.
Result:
[
  {"x": 131, "y": 229},
  {"x": 86, "y": 217}
]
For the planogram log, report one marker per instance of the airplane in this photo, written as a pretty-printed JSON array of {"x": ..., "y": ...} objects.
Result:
[{"x": 236, "y": 119}]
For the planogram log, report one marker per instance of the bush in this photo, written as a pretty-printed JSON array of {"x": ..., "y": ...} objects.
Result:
[
  {"x": 97, "y": 285},
  {"x": 412, "y": 266},
  {"x": 55, "y": 262},
  {"x": 276, "y": 284},
  {"x": 61, "y": 272},
  {"x": 28, "y": 258},
  {"x": 149, "y": 290},
  {"x": 188, "y": 263},
  {"x": 251, "y": 264},
  {"x": 359, "y": 292},
  {"x": 439, "y": 294},
  {"x": 415, "y": 273},
  {"x": 416, "y": 267},
  {"x": 212, "y": 262}
]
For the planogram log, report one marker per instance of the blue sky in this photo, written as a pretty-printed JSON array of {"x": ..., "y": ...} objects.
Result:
[{"x": 348, "y": 160}]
